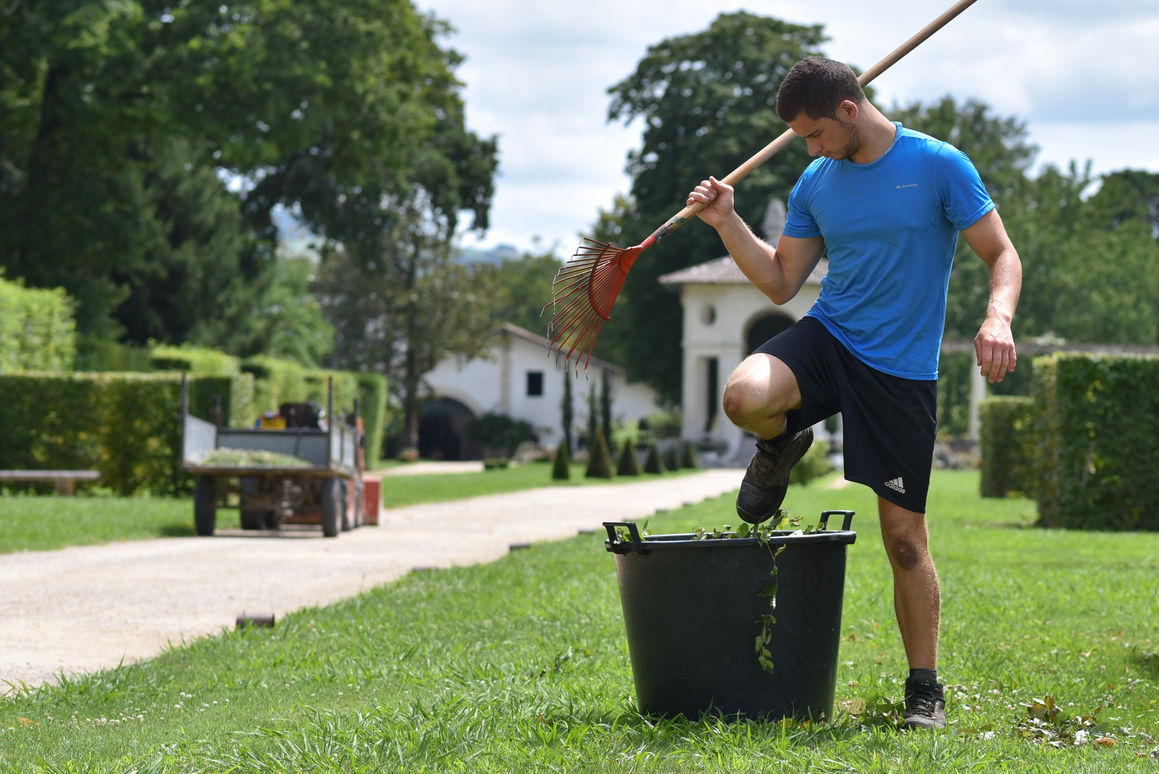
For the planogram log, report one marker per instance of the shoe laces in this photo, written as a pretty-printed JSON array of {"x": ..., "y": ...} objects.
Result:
[{"x": 924, "y": 697}]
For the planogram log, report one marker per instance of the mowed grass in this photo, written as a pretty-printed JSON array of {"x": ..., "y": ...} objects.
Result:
[
  {"x": 522, "y": 665},
  {"x": 45, "y": 522},
  {"x": 401, "y": 489}
]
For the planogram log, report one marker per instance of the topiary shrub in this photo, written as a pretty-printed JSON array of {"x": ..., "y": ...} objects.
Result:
[
  {"x": 37, "y": 329},
  {"x": 671, "y": 458},
  {"x": 655, "y": 461},
  {"x": 599, "y": 458},
  {"x": 688, "y": 456},
  {"x": 813, "y": 465},
  {"x": 629, "y": 461},
  {"x": 561, "y": 467}
]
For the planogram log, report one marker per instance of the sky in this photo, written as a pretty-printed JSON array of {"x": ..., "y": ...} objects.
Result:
[{"x": 1082, "y": 76}]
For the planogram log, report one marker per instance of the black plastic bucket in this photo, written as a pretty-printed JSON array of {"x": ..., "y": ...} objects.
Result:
[{"x": 693, "y": 607}]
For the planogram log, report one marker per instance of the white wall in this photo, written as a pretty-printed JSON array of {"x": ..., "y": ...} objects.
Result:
[
  {"x": 499, "y": 384},
  {"x": 717, "y": 318}
]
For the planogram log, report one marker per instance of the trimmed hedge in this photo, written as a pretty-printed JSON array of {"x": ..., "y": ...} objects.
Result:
[
  {"x": 194, "y": 360},
  {"x": 955, "y": 370},
  {"x": 126, "y": 425},
  {"x": 277, "y": 381},
  {"x": 629, "y": 460},
  {"x": 599, "y": 458},
  {"x": 37, "y": 330},
  {"x": 1099, "y": 441},
  {"x": 654, "y": 462},
  {"x": 1008, "y": 447}
]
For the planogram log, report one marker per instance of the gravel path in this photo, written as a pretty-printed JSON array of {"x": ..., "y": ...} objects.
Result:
[{"x": 85, "y": 609}]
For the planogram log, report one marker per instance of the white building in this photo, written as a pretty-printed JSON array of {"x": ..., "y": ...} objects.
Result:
[
  {"x": 523, "y": 378},
  {"x": 725, "y": 319}
]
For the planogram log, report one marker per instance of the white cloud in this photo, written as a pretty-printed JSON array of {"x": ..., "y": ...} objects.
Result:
[{"x": 1080, "y": 74}]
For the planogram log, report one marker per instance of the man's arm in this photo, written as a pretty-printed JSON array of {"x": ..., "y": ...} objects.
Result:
[
  {"x": 994, "y": 344},
  {"x": 777, "y": 272}
]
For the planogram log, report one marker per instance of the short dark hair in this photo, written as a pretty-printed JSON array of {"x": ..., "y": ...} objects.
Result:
[{"x": 815, "y": 86}]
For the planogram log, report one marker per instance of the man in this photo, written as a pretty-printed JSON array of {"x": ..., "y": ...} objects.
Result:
[{"x": 886, "y": 205}]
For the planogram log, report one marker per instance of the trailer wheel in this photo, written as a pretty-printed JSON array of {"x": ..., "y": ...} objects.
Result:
[
  {"x": 247, "y": 492},
  {"x": 359, "y": 503},
  {"x": 347, "y": 515},
  {"x": 331, "y": 506},
  {"x": 204, "y": 505}
]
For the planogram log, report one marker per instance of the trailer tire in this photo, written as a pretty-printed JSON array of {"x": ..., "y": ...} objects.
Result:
[
  {"x": 204, "y": 505},
  {"x": 347, "y": 515},
  {"x": 359, "y": 503},
  {"x": 332, "y": 506}
]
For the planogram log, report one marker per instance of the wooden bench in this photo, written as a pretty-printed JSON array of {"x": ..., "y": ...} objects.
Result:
[{"x": 63, "y": 480}]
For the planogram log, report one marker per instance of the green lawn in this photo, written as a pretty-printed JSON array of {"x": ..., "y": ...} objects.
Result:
[
  {"x": 44, "y": 522},
  {"x": 401, "y": 489},
  {"x": 522, "y": 665}
]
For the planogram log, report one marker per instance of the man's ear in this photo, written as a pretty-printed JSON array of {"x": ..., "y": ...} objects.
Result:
[{"x": 847, "y": 110}]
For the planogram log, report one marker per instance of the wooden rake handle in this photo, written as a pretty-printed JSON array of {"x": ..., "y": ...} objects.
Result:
[{"x": 779, "y": 144}]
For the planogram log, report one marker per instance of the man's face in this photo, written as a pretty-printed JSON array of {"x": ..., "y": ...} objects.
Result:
[{"x": 835, "y": 138}]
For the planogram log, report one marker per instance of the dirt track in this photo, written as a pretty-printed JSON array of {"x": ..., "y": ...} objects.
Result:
[{"x": 85, "y": 609}]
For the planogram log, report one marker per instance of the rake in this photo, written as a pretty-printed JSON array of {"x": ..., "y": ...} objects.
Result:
[{"x": 587, "y": 285}]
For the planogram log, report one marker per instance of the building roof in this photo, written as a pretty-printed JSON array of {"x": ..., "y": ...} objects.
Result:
[
  {"x": 526, "y": 335},
  {"x": 724, "y": 271}
]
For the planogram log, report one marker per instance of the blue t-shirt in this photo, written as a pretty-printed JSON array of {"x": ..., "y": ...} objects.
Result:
[{"x": 890, "y": 228}]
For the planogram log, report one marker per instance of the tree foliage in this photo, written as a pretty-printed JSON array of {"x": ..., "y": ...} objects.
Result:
[
  {"x": 144, "y": 145},
  {"x": 707, "y": 103}
]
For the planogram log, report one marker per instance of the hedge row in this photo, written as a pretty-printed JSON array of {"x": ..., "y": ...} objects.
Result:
[
  {"x": 1092, "y": 440},
  {"x": 37, "y": 330},
  {"x": 283, "y": 381},
  {"x": 1098, "y": 435},
  {"x": 127, "y": 426},
  {"x": 1008, "y": 447}
]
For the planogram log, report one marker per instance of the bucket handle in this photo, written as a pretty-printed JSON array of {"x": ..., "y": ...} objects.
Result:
[
  {"x": 615, "y": 544},
  {"x": 844, "y": 525}
]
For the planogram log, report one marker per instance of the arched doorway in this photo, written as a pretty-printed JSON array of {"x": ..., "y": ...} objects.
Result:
[
  {"x": 764, "y": 328},
  {"x": 443, "y": 431}
]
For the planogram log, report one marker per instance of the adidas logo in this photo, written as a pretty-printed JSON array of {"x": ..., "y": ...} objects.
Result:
[{"x": 896, "y": 485}]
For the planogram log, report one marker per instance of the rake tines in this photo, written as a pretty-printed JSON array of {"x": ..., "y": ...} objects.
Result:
[{"x": 582, "y": 295}]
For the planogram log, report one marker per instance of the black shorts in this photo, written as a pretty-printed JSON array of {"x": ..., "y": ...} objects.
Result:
[{"x": 889, "y": 423}]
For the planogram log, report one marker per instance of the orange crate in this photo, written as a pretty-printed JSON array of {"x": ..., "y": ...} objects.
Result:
[{"x": 372, "y": 497}]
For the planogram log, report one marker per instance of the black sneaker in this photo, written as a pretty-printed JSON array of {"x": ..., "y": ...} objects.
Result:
[
  {"x": 767, "y": 479},
  {"x": 925, "y": 704}
]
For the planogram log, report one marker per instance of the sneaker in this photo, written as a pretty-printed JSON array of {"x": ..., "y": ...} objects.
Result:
[
  {"x": 767, "y": 479},
  {"x": 925, "y": 704}
]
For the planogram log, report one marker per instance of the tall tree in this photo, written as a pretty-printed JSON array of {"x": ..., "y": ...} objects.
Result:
[
  {"x": 1126, "y": 195},
  {"x": 71, "y": 147},
  {"x": 707, "y": 103},
  {"x": 527, "y": 280},
  {"x": 567, "y": 411},
  {"x": 396, "y": 234},
  {"x": 329, "y": 107},
  {"x": 192, "y": 246},
  {"x": 1000, "y": 149}
]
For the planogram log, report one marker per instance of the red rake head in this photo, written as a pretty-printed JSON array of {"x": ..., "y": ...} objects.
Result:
[{"x": 582, "y": 295}]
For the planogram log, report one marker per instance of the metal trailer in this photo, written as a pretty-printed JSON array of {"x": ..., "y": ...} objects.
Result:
[{"x": 327, "y": 490}]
